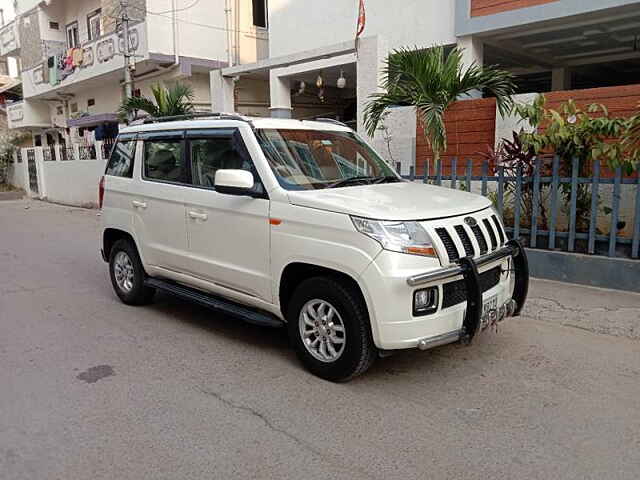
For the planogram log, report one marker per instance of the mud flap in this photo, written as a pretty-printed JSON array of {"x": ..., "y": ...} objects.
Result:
[
  {"x": 471, "y": 322},
  {"x": 521, "y": 271}
]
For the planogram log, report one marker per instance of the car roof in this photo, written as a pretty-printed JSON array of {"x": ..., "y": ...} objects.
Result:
[{"x": 233, "y": 120}]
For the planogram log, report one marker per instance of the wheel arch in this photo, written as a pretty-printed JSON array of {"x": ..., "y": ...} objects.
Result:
[
  {"x": 296, "y": 272},
  {"x": 110, "y": 236}
]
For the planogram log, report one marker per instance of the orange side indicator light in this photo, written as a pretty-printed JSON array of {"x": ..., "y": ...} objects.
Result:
[
  {"x": 426, "y": 251},
  {"x": 275, "y": 221}
]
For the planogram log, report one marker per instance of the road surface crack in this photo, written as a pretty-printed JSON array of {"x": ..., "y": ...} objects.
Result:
[{"x": 270, "y": 425}]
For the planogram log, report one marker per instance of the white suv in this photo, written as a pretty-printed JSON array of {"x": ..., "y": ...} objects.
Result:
[{"x": 300, "y": 223}]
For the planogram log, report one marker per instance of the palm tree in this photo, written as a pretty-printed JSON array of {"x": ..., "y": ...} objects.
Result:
[
  {"x": 431, "y": 81},
  {"x": 176, "y": 100}
]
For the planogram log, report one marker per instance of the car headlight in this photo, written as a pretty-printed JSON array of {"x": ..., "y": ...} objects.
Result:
[{"x": 403, "y": 237}]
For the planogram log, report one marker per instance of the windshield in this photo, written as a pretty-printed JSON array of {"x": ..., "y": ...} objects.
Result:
[{"x": 314, "y": 159}]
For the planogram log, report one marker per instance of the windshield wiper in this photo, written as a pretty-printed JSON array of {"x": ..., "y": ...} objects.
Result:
[
  {"x": 350, "y": 181},
  {"x": 386, "y": 179}
]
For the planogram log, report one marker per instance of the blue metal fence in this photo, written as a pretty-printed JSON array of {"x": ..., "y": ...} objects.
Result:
[{"x": 528, "y": 225}]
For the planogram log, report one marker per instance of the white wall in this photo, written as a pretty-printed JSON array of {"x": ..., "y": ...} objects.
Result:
[
  {"x": 73, "y": 182},
  {"x": 505, "y": 126},
  {"x": 18, "y": 175},
  {"x": 298, "y": 25},
  {"x": 401, "y": 132},
  {"x": 200, "y": 29}
]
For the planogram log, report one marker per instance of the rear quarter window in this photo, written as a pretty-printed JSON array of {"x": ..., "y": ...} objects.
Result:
[{"x": 121, "y": 160}]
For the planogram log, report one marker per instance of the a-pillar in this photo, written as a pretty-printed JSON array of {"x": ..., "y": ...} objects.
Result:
[
  {"x": 222, "y": 92},
  {"x": 280, "y": 93}
]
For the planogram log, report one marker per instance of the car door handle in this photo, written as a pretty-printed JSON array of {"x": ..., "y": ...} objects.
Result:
[
  {"x": 198, "y": 216},
  {"x": 138, "y": 204}
]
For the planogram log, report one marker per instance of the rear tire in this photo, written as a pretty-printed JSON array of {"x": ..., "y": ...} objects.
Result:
[
  {"x": 128, "y": 275},
  {"x": 329, "y": 329}
]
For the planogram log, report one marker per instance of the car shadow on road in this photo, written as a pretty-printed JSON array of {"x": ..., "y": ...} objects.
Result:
[
  {"x": 432, "y": 366},
  {"x": 231, "y": 328}
]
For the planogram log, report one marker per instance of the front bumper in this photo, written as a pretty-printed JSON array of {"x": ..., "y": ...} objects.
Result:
[
  {"x": 392, "y": 279},
  {"x": 468, "y": 268}
]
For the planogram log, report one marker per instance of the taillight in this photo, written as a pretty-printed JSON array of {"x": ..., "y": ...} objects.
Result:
[{"x": 101, "y": 192}]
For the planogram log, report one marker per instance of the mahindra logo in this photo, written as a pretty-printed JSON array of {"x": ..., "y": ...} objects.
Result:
[{"x": 470, "y": 221}]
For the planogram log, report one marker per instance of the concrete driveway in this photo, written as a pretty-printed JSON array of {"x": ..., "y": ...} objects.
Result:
[{"x": 93, "y": 389}]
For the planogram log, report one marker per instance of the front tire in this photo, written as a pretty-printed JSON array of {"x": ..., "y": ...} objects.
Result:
[
  {"x": 329, "y": 329},
  {"x": 128, "y": 275}
]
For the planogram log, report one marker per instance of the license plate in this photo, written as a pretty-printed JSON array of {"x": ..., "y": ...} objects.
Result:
[{"x": 489, "y": 312}]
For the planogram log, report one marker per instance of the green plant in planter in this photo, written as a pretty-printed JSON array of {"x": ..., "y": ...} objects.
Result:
[
  {"x": 571, "y": 132},
  {"x": 514, "y": 156}
]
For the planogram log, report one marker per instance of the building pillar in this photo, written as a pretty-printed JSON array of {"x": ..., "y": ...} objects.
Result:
[
  {"x": 372, "y": 54},
  {"x": 472, "y": 53},
  {"x": 280, "y": 93},
  {"x": 560, "y": 79},
  {"x": 222, "y": 92}
]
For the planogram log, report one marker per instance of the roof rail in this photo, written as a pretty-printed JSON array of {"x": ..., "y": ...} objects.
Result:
[
  {"x": 331, "y": 120},
  {"x": 191, "y": 116}
]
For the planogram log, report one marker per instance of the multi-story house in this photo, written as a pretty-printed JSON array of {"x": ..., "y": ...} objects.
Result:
[
  {"x": 552, "y": 46},
  {"x": 71, "y": 56}
]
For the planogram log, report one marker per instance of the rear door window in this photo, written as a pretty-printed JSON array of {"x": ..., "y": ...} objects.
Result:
[{"x": 122, "y": 157}]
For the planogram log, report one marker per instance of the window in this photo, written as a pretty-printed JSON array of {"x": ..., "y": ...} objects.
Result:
[
  {"x": 208, "y": 155},
  {"x": 37, "y": 140},
  {"x": 164, "y": 160},
  {"x": 121, "y": 161},
  {"x": 73, "y": 107},
  {"x": 59, "y": 110},
  {"x": 93, "y": 24},
  {"x": 314, "y": 159},
  {"x": 260, "y": 13},
  {"x": 73, "y": 40},
  {"x": 54, "y": 25},
  {"x": 91, "y": 102}
]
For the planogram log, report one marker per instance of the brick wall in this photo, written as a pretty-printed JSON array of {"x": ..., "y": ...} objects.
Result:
[
  {"x": 471, "y": 126},
  {"x": 480, "y": 8},
  {"x": 623, "y": 101},
  {"x": 620, "y": 101}
]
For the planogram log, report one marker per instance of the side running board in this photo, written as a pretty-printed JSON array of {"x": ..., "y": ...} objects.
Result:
[{"x": 217, "y": 304}]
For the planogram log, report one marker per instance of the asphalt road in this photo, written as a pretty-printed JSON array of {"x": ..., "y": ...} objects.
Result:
[{"x": 93, "y": 389}]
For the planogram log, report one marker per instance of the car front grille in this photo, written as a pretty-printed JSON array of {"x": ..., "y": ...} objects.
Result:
[
  {"x": 492, "y": 238},
  {"x": 449, "y": 245},
  {"x": 454, "y": 293}
]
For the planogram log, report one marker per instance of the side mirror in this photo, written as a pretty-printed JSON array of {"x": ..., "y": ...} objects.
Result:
[{"x": 234, "y": 182}]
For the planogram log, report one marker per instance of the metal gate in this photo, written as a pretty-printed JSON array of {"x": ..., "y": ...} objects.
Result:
[{"x": 33, "y": 171}]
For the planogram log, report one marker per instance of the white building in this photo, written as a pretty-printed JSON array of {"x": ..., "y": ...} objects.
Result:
[
  {"x": 70, "y": 56},
  {"x": 550, "y": 45}
]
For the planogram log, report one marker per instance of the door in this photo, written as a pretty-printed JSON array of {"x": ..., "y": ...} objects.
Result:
[
  {"x": 158, "y": 203},
  {"x": 33, "y": 171},
  {"x": 228, "y": 235}
]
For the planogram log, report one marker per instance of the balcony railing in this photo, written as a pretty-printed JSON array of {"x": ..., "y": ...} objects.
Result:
[
  {"x": 28, "y": 114},
  {"x": 9, "y": 40},
  {"x": 98, "y": 57}
]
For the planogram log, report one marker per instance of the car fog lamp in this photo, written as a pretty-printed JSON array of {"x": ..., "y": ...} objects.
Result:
[{"x": 425, "y": 301}]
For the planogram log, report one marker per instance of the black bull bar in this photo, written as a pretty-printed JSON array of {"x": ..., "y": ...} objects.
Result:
[{"x": 468, "y": 268}]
